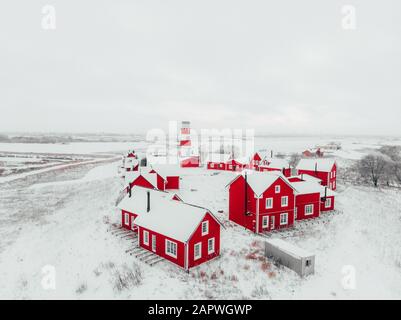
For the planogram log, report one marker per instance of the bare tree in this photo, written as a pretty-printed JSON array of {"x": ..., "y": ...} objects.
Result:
[
  {"x": 294, "y": 159},
  {"x": 393, "y": 172},
  {"x": 374, "y": 167}
]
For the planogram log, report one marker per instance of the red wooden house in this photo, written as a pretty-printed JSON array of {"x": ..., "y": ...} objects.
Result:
[
  {"x": 167, "y": 178},
  {"x": 324, "y": 169},
  {"x": 132, "y": 154},
  {"x": 276, "y": 164},
  {"x": 256, "y": 161},
  {"x": 183, "y": 234},
  {"x": 190, "y": 162},
  {"x": 131, "y": 164},
  {"x": 261, "y": 201},
  {"x": 307, "y": 200},
  {"x": 237, "y": 164},
  {"x": 217, "y": 161}
]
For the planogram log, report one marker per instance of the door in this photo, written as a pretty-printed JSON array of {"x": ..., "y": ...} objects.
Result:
[
  {"x": 272, "y": 218},
  {"x": 133, "y": 227},
  {"x": 153, "y": 243}
]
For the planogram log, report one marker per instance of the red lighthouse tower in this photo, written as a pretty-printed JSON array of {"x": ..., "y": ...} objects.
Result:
[{"x": 188, "y": 155}]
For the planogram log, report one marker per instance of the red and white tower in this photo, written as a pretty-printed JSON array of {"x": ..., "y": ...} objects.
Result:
[{"x": 188, "y": 155}]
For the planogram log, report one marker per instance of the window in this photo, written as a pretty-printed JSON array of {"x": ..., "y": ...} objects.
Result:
[
  {"x": 197, "y": 250},
  {"x": 328, "y": 203},
  {"x": 265, "y": 221},
  {"x": 269, "y": 203},
  {"x": 308, "y": 262},
  {"x": 230, "y": 167},
  {"x": 309, "y": 209},
  {"x": 277, "y": 189},
  {"x": 126, "y": 218},
  {"x": 210, "y": 246},
  {"x": 212, "y": 165},
  {"x": 145, "y": 237},
  {"x": 171, "y": 248},
  {"x": 221, "y": 165},
  {"x": 334, "y": 184},
  {"x": 284, "y": 201},
  {"x": 205, "y": 227},
  {"x": 283, "y": 218}
]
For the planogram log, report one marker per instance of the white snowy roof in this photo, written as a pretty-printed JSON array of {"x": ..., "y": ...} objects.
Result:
[
  {"x": 165, "y": 170},
  {"x": 130, "y": 162},
  {"x": 137, "y": 203},
  {"x": 307, "y": 187},
  {"x": 323, "y": 165},
  {"x": 306, "y": 177},
  {"x": 243, "y": 160},
  {"x": 133, "y": 175},
  {"x": 218, "y": 157},
  {"x": 261, "y": 181},
  {"x": 276, "y": 163},
  {"x": 289, "y": 248},
  {"x": 174, "y": 219}
]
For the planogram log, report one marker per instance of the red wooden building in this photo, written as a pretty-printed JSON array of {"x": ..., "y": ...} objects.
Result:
[
  {"x": 324, "y": 169},
  {"x": 217, "y": 161},
  {"x": 276, "y": 164},
  {"x": 256, "y": 160},
  {"x": 261, "y": 201},
  {"x": 307, "y": 200},
  {"x": 183, "y": 234},
  {"x": 132, "y": 154},
  {"x": 237, "y": 164},
  {"x": 167, "y": 177}
]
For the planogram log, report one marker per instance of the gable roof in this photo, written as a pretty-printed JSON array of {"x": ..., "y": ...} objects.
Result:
[
  {"x": 322, "y": 165},
  {"x": 133, "y": 175},
  {"x": 174, "y": 219},
  {"x": 165, "y": 170},
  {"x": 308, "y": 187},
  {"x": 261, "y": 181}
]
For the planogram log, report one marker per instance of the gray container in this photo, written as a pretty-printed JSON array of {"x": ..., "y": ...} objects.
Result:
[{"x": 290, "y": 256}]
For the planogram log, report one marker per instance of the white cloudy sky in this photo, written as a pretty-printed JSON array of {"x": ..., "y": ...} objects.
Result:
[{"x": 129, "y": 65}]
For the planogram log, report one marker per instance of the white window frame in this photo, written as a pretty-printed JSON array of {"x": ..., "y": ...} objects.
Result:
[
  {"x": 206, "y": 223},
  {"x": 198, "y": 245},
  {"x": 212, "y": 165},
  {"x": 334, "y": 184},
  {"x": 230, "y": 167},
  {"x": 277, "y": 189},
  {"x": 271, "y": 203},
  {"x": 327, "y": 203},
  {"x": 146, "y": 237},
  {"x": 286, "y": 201},
  {"x": 169, "y": 248},
  {"x": 221, "y": 165},
  {"x": 306, "y": 209},
  {"x": 265, "y": 221},
  {"x": 211, "y": 240},
  {"x": 126, "y": 218},
  {"x": 284, "y": 214}
]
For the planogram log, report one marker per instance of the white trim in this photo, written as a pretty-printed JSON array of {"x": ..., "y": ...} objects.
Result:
[
  {"x": 265, "y": 221},
  {"x": 154, "y": 243},
  {"x": 271, "y": 203},
  {"x": 146, "y": 237},
  {"x": 199, "y": 246},
  {"x": 277, "y": 189},
  {"x": 169, "y": 249},
  {"x": 284, "y": 214},
  {"x": 306, "y": 209},
  {"x": 286, "y": 201},
  {"x": 126, "y": 218},
  {"x": 210, "y": 251},
  {"x": 206, "y": 223}
]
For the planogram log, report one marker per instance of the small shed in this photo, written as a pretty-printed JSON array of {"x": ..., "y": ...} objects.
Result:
[{"x": 290, "y": 256}]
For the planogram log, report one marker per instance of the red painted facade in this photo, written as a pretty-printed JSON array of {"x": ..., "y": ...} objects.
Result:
[
  {"x": 256, "y": 161},
  {"x": 191, "y": 162},
  {"x": 185, "y": 257},
  {"x": 327, "y": 205},
  {"x": 251, "y": 215},
  {"x": 127, "y": 220},
  {"x": 329, "y": 179},
  {"x": 173, "y": 182},
  {"x": 307, "y": 206},
  {"x": 234, "y": 165},
  {"x": 216, "y": 165}
]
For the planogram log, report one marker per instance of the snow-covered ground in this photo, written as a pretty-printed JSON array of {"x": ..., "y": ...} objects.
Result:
[{"x": 62, "y": 219}]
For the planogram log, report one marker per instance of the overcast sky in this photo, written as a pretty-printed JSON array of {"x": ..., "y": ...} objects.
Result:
[{"x": 130, "y": 65}]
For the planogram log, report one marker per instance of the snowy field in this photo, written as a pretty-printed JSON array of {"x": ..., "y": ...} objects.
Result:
[{"x": 61, "y": 218}]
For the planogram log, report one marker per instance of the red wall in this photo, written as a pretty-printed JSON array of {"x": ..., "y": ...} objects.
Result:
[
  {"x": 214, "y": 232},
  {"x": 190, "y": 162},
  {"x": 302, "y": 200},
  {"x": 323, "y": 207},
  {"x": 217, "y": 165},
  {"x": 161, "y": 246},
  {"x": 160, "y": 182},
  {"x": 324, "y": 176},
  {"x": 142, "y": 182},
  {"x": 129, "y": 225},
  {"x": 173, "y": 182}
]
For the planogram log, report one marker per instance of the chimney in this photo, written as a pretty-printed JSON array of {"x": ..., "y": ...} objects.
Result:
[
  {"x": 316, "y": 167},
  {"x": 325, "y": 193},
  {"x": 271, "y": 153},
  {"x": 129, "y": 190},
  {"x": 148, "y": 201}
]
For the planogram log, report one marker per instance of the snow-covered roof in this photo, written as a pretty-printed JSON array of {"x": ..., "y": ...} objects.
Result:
[
  {"x": 323, "y": 164},
  {"x": 306, "y": 177},
  {"x": 261, "y": 181},
  {"x": 308, "y": 187},
  {"x": 174, "y": 219},
  {"x": 243, "y": 160},
  {"x": 130, "y": 162},
  {"x": 289, "y": 248},
  {"x": 165, "y": 170},
  {"x": 133, "y": 175},
  {"x": 137, "y": 203},
  {"x": 218, "y": 157},
  {"x": 276, "y": 163}
]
